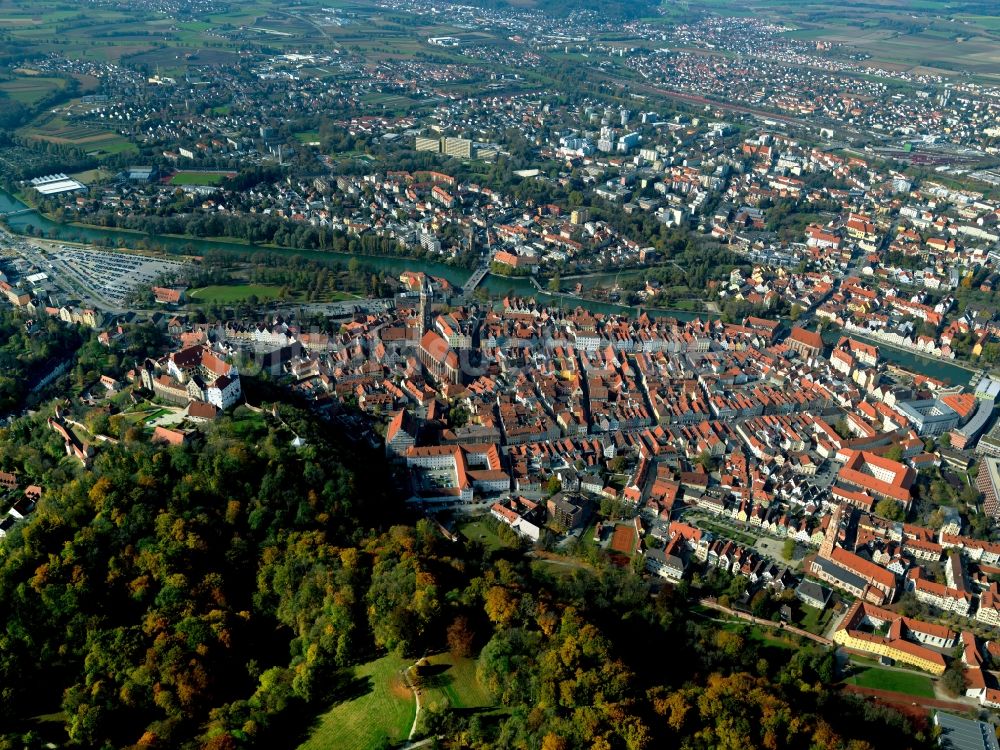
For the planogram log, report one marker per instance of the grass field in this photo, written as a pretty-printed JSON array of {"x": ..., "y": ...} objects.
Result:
[
  {"x": 234, "y": 293},
  {"x": 307, "y": 136},
  {"x": 898, "y": 682},
  {"x": 814, "y": 620},
  {"x": 152, "y": 417},
  {"x": 480, "y": 531},
  {"x": 383, "y": 710},
  {"x": 200, "y": 178},
  {"x": 93, "y": 175},
  {"x": 770, "y": 637},
  {"x": 453, "y": 680},
  {"x": 137, "y": 417},
  {"x": 392, "y": 102}
]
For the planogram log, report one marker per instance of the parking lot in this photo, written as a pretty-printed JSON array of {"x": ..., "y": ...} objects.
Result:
[{"x": 112, "y": 275}]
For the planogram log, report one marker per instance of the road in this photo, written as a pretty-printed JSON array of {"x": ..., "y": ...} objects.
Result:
[
  {"x": 416, "y": 694},
  {"x": 477, "y": 276},
  {"x": 339, "y": 309}
]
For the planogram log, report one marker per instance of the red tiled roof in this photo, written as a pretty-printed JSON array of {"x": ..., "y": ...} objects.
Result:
[
  {"x": 166, "y": 435},
  {"x": 865, "y": 568},
  {"x": 809, "y": 338},
  {"x": 202, "y": 410},
  {"x": 898, "y": 488},
  {"x": 394, "y": 426}
]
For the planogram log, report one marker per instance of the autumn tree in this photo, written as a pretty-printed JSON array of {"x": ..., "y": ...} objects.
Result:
[{"x": 460, "y": 637}]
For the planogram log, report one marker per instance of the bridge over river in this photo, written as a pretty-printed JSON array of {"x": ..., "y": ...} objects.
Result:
[{"x": 477, "y": 278}]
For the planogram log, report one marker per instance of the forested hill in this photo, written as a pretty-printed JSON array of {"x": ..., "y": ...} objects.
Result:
[
  {"x": 218, "y": 596},
  {"x": 165, "y": 591}
]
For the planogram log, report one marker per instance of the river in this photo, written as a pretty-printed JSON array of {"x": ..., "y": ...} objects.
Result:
[
  {"x": 934, "y": 367},
  {"x": 497, "y": 286}
]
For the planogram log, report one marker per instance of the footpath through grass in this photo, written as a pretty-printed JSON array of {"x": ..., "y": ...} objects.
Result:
[
  {"x": 381, "y": 707},
  {"x": 897, "y": 682}
]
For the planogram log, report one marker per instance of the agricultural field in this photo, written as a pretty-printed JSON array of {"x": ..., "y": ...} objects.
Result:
[
  {"x": 138, "y": 34},
  {"x": 895, "y": 681},
  {"x": 934, "y": 51},
  {"x": 200, "y": 178},
  {"x": 177, "y": 59},
  {"x": 55, "y": 26},
  {"x": 243, "y": 14},
  {"x": 29, "y": 90},
  {"x": 84, "y": 136},
  {"x": 922, "y": 36},
  {"x": 378, "y": 711},
  {"x": 232, "y": 293}
]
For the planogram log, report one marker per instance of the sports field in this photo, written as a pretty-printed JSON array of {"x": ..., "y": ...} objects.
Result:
[
  {"x": 897, "y": 682},
  {"x": 381, "y": 711},
  {"x": 200, "y": 178}
]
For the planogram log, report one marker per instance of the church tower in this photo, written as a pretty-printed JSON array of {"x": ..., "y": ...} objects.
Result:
[
  {"x": 832, "y": 532},
  {"x": 426, "y": 300}
]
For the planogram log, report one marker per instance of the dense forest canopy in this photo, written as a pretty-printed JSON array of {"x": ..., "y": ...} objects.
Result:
[{"x": 159, "y": 592}]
